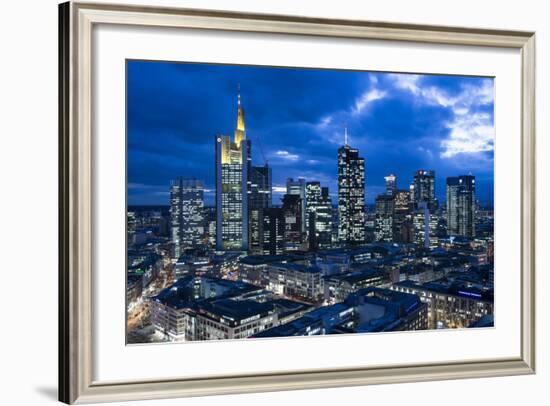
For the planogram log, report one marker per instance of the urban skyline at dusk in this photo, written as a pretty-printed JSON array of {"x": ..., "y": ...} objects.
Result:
[
  {"x": 309, "y": 215},
  {"x": 296, "y": 120}
]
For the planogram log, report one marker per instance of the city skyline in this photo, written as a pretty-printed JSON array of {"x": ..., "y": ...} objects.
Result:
[
  {"x": 316, "y": 261},
  {"x": 444, "y": 99}
]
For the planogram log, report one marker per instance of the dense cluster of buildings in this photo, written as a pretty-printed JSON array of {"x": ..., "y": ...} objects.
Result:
[{"x": 307, "y": 265}]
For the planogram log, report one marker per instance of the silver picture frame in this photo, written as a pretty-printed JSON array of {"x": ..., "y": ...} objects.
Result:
[{"x": 76, "y": 21}]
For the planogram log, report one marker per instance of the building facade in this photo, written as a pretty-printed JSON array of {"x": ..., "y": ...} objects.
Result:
[
  {"x": 298, "y": 188},
  {"x": 351, "y": 195},
  {"x": 423, "y": 188},
  {"x": 391, "y": 184},
  {"x": 186, "y": 213},
  {"x": 425, "y": 225},
  {"x": 384, "y": 218},
  {"x": 461, "y": 207},
  {"x": 318, "y": 216},
  {"x": 292, "y": 213},
  {"x": 233, "y": 167}
]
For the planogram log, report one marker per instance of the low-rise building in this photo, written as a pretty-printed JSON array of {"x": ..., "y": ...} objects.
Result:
[
  {"x": 339, "y": 287},
  {"x": 296, "y": 280},
  {"x": 451, "y": 304}
]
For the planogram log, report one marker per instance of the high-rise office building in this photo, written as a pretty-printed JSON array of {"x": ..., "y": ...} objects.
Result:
[
  {"x": 186, "y": 213},
  {"x": 260, "y": 187},
  {"x": 351, "y": 195},
  {"x": 425, "y": 225},
  {"x": 292, "y": 213},
  {"x": 298, "y": 187},
  {"x": 259, "y": 200},
  {"x": 391, "y": 184},
  {"x": 384, "y": 218},
  {"x": 461, "y": 205},
  {"x": 318, "y": 216},
  {"x": 423, "y": 188},
  {"x": 272, "y": 231},
  {"x": 402, "y": 218},
  {"x": 233, "y": 167}
]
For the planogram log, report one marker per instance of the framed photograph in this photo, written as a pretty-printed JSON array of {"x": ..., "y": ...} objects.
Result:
[{"x": 263, "y": 202}]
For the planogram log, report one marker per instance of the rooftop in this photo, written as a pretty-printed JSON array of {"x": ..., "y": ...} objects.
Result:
[
  {"x": 296, "y": 267},
  {"x": 236, "y": 310},
  {"x": 263, "y": 259},
  {"x": 189, "y": 290}
]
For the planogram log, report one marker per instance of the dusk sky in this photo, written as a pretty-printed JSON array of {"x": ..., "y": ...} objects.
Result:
[{"x": 296, "y": 117}]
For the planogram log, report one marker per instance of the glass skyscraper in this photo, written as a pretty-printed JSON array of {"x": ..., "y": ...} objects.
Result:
[
  {"x": 233, "y": 165},
  {"x": 298, "y": 187},
  {"x": 186, "y": 213},
  {"x": 318, "y": 216},
  {"x": 461, "y": 205},
  {"x": 423, "y": 188},
  {"x": 351, "y": 195}
]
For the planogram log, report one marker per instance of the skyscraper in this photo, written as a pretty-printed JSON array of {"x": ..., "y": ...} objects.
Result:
[
  {"x": 402, "y": 218},
  {"x": 272, "y": 231},
  {"x": 384, "y": 218},
  {"x": 298, "y": 187},
  {"x": 186, "y": 213},
  {"x": 233, "y": 166},
  {"x": 351, "y": 195},
  {"x": 259, "y": 199},
  {"x": 391, "y": 184},
  {"x": 292, "y": 213},
  {"x": 425, "y": 226},
  {"x": 423, "y": 188},
  {"x": 461, "y": 205},
  {"x": 318, "y": 216},
  {"x": 260, "y": 187}
]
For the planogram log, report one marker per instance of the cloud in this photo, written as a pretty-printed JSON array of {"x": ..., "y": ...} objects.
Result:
[
  {"x": 286, "y": 155},
  {"x": 470, "y": 131},
  {"x": 366, "y": 98}
]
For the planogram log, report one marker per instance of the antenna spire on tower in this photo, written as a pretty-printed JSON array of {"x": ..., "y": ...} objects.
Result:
[
  {"x": 346, "y": 135},
  {"x": 239, "y": 94}
]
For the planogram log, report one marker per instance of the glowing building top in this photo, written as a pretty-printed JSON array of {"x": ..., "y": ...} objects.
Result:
[{"x": 240, "y": 134}]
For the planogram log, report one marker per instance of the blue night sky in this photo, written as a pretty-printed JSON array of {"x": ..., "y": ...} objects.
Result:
[{"x": 399, "y": 123}]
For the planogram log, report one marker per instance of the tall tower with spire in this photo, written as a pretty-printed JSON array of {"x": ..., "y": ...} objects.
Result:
[
  {"x": 351, "y": 194},
  {"x": 233, "y": 167}
]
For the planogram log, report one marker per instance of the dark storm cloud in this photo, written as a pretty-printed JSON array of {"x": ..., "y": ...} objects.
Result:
[{"x": 295, "y": 119}]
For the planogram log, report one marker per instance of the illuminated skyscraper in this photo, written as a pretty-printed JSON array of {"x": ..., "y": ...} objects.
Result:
[
  {"x": 425, "y": 226},
  {"x": 384, "y": 218},
  {"x": 351, "y": 195},
  {"x": 461, "y": 205},
  {"x": 186, "y": 213},
  {"x": 272, "y": 231},
  {"x": 402, "y": 217},
  {"x": 423, "y": 188},
  {"x": 298, "y": 187},
  {"x": 391, "y": 184},
  {"x": 292, "y": 212},
  {"x": 233, "y": 165},
  {"x": 259, "y": 200},
  {"x": 318, "y": 216}
]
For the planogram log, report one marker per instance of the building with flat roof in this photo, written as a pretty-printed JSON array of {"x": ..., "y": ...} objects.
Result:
[
  {"x": 367, "y": 310},
  {"x": 213, "y": 309},
  {"x": 338, "y": 287},
  {"x": 452, "y": 303},
  {"x": 233, "y": 319},
  {"x": 296, "y": 280},
  {"x": 252, "y": 268}
]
